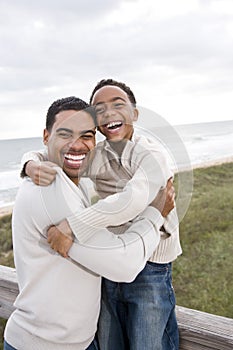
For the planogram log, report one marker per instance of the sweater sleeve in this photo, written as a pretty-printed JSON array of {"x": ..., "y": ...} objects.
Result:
[
  {"x": 120, "y": 257},
  {"x": 32, "y": 155},
  {"x": 150, "y": 176}
]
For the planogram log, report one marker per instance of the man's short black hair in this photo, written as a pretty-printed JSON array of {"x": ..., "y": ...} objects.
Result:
[
  {"x": 112, "y": 82},
  {"x": 64, "y": 104}
]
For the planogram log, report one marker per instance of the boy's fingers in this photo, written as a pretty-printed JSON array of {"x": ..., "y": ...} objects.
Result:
[
  {"x": 46, "y": 168},
  {"x": 51, "y": 164},
  {"x": 44, "y": 180}
]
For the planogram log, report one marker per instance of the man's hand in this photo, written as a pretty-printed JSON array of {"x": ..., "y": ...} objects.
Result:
[
  {"x": 42, "y": 173},
  {"x": 60, "y": 238},
  {"x": 165, "y": 199}
]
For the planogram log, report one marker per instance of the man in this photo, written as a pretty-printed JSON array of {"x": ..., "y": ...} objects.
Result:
[{"x": 59, "y": 299}]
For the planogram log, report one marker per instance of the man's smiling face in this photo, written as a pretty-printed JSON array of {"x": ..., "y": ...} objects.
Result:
[
  {"x": 70, "y": 140},
  {"x": 115, "y": 113}
]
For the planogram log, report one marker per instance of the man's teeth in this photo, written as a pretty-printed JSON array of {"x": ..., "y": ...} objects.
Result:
[
  {"x": 113, "y": 125},
  {"x": 75, "y": 157}
]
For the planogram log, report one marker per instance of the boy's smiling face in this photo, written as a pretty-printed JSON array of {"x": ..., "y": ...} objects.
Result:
[{"x": 115, "y": 113}]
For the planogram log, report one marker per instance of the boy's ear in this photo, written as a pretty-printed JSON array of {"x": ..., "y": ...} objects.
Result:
[
  {"x": 45, "y": 136},
  {"x": 136, "y": 113}
]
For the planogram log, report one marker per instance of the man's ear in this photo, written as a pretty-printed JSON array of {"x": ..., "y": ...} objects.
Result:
[
  {"x": 45, "y": 137},
  {"x": 136, "y": 113}
]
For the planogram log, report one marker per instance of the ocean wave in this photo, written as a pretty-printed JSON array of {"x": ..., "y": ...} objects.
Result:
[{"x": 9, "y": 179}]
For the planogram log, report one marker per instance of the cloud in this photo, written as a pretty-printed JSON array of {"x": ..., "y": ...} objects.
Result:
[
  {"x": 56, "y": 10},
  {"x": 58, "y": 48}
]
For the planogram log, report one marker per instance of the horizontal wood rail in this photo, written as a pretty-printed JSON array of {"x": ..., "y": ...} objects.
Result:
[{"x": 198, "y": 330}]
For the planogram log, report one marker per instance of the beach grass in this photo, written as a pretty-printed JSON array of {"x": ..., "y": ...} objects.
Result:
[
  {"x": 202, "y": 274},
  {"x": 6, "y": 256},
  {"x": 6, "y": 252}
]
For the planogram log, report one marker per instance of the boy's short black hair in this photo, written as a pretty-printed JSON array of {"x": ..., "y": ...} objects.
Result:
[{"x": 112, "y": 82}]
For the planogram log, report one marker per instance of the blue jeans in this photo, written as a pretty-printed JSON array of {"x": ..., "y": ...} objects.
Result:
[
  {"x": 139, "y": 315},
  {"x": 8, "y": 346},
  {"x": 92, "y": 346}
]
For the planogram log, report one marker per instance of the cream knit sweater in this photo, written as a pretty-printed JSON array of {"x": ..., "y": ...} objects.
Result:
[{"x": 58, "y": 303}]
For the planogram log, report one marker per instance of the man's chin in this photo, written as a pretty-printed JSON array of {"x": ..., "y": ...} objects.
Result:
[{"x": 73, "y": 173}]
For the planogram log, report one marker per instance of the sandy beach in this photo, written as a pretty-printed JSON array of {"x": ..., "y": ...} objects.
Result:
[
  {"x": 6, "y": 210},
  {"x": 214, "y": 162}
]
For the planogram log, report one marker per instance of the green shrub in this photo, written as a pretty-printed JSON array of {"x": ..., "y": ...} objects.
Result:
[{"x": 202, "y": 277}]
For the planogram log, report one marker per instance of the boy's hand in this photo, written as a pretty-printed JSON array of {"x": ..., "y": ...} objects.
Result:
[
  {"x": 60, "y": 238},
  {"x": 165, "y": 199},
  {"x": 42, "y": 173}
]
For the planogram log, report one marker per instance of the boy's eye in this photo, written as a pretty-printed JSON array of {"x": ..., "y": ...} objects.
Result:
[
  {"x": 99, "y": 110},
  {"x": 119, "y": 105}
]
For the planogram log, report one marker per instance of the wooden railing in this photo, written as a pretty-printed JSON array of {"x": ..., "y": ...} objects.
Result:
[{"x": 198, "y": 330}]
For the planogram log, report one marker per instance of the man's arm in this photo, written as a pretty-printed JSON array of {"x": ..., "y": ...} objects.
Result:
[
  {"x": 165, "y": 199},
  {"x": 61, "y": 238},
  {"x": 104, "y": 253},
  {"x": 120, "y": 257}
]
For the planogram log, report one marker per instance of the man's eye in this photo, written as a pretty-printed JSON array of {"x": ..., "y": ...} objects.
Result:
[
  {"x": 87, "y": 136},
  {"x": 64, "y": 135}
]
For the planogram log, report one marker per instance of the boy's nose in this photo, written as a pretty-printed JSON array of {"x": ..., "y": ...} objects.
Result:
[
  {"x": 108, "y": 114},
  {"x": 109, "y": 111}
]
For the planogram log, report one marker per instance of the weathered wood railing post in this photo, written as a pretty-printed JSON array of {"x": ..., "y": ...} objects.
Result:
[
  {"x": 201, "y": 331},
  {"x": 8, "y": 290},
  {"x": 198, "y": 330}
]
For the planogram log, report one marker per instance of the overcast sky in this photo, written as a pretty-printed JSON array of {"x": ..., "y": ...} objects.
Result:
[{"x": 176, "y": 55}]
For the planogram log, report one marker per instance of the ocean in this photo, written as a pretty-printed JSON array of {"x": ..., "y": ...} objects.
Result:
[
  {"x": 11, "y": 152},
  {"x": 204, "y": 142}
]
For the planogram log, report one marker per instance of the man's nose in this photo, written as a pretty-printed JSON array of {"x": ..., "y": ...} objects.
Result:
[{"x": 76, "y": 143}]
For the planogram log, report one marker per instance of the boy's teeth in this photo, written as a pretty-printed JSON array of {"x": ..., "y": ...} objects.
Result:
[{"x": 113, "y": 124}]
